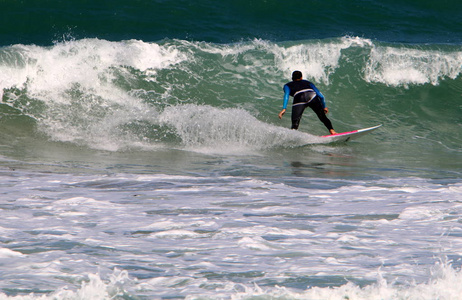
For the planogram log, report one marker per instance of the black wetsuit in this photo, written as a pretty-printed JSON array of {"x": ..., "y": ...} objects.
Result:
[{"x": 305, "y": 95}]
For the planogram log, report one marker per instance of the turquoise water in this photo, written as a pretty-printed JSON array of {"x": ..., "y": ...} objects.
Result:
[{"x": 141, "y": 155}]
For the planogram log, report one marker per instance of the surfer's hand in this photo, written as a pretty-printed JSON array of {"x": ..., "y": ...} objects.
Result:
[
  {"x": 282, "y": 113},
  {"x": 326, "y": 110}
]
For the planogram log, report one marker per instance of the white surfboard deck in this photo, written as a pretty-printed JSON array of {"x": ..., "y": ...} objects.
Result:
[{"x": 346, "y": 136}]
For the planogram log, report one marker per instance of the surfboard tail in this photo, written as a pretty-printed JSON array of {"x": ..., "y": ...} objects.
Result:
[{"x": 349, "y": 135}]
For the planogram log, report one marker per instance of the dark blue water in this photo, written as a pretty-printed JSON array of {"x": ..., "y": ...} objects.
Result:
[{"x": 42, "y": 22}]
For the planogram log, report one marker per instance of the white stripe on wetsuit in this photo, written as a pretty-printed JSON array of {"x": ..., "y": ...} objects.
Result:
[{"x": 304, "y": 91}]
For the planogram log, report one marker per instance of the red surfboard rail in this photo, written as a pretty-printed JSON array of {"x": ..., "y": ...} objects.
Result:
[
  {"x": 341, "y": 133},
  {"x": 346, "y": 136}
]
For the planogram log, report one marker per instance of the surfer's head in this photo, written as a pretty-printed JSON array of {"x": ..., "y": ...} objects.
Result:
[{"x": 296, "y": 75}]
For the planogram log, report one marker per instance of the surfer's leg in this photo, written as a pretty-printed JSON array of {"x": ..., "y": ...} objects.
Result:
[
  {"x": 297, "y": 112},
  {"x": 316, "y": 106}
]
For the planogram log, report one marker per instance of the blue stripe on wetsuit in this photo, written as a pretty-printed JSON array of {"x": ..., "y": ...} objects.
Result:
[{"x": 286, "y": 96}]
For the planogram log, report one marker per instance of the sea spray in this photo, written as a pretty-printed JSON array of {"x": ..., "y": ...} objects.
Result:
[{"x": 206, "y": 128}]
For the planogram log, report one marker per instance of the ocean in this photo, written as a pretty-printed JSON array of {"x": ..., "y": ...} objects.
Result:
[{"x": 142, "y": 157}]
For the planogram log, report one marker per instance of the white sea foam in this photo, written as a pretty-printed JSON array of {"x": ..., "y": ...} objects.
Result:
[
  {"x": 403, "y": 66},
  {"x": 7, "y": 253},
  {"x": 254, "y": 243},
  {"x": 49, "y": 71},
  {"x": 227, "y": 241},
  {"x": 318, "y": 61},
  {"x": 77, "y": 83},
  {"x": 444, "y": 284}
]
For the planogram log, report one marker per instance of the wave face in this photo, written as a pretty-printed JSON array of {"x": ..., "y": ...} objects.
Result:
[{"x": 203, "y": 96}]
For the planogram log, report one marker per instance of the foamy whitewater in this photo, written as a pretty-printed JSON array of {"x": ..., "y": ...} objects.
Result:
[
  {"x": 142, "y": 157},
  {"x": 235, "y": 236}
]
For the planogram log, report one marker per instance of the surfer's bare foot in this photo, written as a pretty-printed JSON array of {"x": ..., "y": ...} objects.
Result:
[{"x": 332, "y": 131}]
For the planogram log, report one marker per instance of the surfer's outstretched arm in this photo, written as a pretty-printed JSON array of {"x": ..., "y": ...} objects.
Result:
[{"x": 285, "y": 101}]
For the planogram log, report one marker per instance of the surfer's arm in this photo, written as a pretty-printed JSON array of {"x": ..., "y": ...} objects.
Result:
[
  {"x": 286, "y": 97},
  {"x": 285, "y": 101},
  {"x": 320, "y": 95}
]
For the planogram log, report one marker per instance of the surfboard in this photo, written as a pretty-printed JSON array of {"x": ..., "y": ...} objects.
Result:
[{"x": 347, "y": 136}]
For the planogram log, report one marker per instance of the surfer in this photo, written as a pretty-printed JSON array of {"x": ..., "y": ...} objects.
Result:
[{"x": 305, "y": 95}]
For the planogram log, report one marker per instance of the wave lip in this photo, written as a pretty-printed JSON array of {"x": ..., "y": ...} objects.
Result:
[{"x": 404, "y": 66}]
